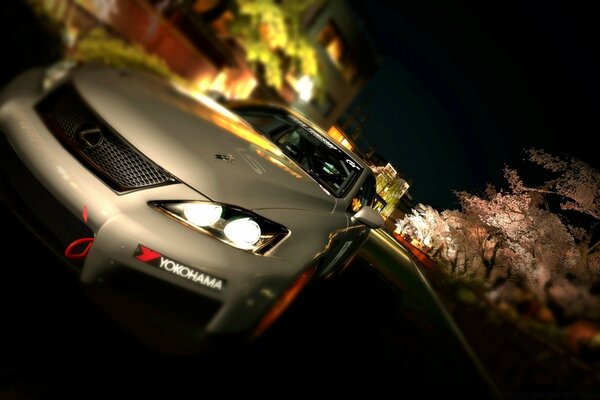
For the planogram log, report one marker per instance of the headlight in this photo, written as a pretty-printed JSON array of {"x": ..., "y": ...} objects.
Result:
[
  {"x": 237, "y": 227},
  {"x": 202, "y": 214}
]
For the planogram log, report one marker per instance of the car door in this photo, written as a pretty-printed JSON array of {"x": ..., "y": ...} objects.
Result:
[{"x": 356, "y": 234}]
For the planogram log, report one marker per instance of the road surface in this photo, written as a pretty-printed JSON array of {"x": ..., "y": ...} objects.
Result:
[{"x": 375, "y": 328}]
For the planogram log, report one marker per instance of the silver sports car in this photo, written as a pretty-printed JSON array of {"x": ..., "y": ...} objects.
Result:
[{"x": 184, "y": 219}]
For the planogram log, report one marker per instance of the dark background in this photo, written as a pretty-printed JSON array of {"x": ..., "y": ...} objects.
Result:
[
  {"x": 465, "y": 86},
  {"x": 351, "y": 335},
  {"x": 461, "y": 91}
]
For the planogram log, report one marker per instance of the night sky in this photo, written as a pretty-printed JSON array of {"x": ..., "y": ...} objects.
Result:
[{"x": 464, "y": 87}]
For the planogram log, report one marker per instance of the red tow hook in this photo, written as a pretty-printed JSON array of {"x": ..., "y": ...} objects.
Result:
[{"x": 70, "y": 251}]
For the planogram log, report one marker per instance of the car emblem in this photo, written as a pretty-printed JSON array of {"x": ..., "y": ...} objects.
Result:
[
  {"x": 90, "y": 136},
  {"x": 224, "y": 157}
]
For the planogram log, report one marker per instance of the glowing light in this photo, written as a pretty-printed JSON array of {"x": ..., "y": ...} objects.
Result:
[
  {"x": 335, "y": 50},
  {"x": 243, "y": 232},
  {"x": 304, "y": 87},
  {"x": 243, "y": 88},
  {"x": 356, "y": 204},
  {"x": 202, "y": 214},
  {"x": 232, "y": 84},
  {"x": 284, "y": 301},
  {"x": 339, "y": 136},
  {"x": 202, "y": 83},
  {"x": 219, "y": 84},
  {"x": 70, "y": 35}
]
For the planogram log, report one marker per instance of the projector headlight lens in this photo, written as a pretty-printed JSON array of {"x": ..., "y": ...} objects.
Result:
[{"x": 232, "y": 225}]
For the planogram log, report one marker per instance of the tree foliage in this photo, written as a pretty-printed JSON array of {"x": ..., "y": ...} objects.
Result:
[
  {"x": 272, "y": 34},
  {"x": 576, "y": 182},
  {"x": 514, "y": 234},
  {"x": 100, "y": 47},
  {"x": 426, "y": 225}
]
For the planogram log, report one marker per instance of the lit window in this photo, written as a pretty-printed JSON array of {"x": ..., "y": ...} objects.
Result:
[{"x": 338, "y": 51}]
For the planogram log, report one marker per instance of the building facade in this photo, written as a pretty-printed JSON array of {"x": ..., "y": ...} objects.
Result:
[{"x": 197, "y": 45}]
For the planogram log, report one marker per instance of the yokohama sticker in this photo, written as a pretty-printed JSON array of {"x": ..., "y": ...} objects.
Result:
[{"x": 160, "y": 261}]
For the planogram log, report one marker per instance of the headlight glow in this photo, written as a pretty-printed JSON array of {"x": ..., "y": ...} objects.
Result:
[
  {"x": 235, "y": 226},
  {"x": 244, "y": 232},
  {"x": 202, "y": 214}
]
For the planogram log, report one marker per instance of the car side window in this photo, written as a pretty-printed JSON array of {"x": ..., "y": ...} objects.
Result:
[
  {"x": 313, "y": 157},
  {"x": 365, "y": 195},
  {"x": 290, "y": 143},
  {"x": 313, "y": 151}
]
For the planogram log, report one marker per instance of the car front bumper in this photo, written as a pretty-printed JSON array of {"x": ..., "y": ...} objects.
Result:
[{"x": 162, "y": 307}]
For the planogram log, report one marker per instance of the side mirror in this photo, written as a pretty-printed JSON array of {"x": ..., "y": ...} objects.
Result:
[{"x": 369, "y": 217}]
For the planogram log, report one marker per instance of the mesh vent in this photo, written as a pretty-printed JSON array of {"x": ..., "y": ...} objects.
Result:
[
  {"x": 103, "y": 152},
  {"x": 33, "y": 202}
]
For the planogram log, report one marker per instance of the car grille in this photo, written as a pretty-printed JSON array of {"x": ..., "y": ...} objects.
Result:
[
  {"x": 101, "y": 150},
  {"x": 32, "y": 202}
]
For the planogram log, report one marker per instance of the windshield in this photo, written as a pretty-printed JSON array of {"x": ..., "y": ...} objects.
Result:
[{"x": 316, "y": 154}]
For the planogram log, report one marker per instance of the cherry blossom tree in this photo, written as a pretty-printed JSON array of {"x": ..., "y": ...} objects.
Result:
[
  {"x": 522, "y": 232},
  {"x": 466, "y": 242},
  {"x": 517, "y": 234},
  {"x": 504, "y": 223},
  {"x": 426, "y": 225},
  {"x": 459, "y": 238},
  {"x": 578, "y": 185},
  {"x": 577, "y": 182}
]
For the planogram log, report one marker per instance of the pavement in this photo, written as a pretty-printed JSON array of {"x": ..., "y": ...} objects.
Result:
[{"x": 372, "y": 329}]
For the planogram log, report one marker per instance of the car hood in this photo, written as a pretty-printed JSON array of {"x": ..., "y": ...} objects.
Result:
[{"x": 198, "y": 141}]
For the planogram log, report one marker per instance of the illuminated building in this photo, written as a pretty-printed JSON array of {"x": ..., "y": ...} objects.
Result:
[
  {"x": 346, "y": 55},
  {"x": 198, "y": 46},
  {"x": 391, "y": 187}
]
